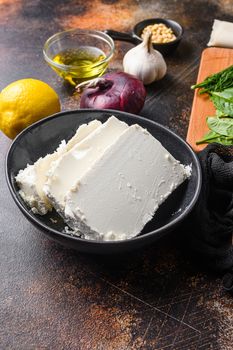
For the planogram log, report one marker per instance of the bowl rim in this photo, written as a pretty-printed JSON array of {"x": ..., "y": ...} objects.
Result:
[
  {"x": 32, "y": 218},
  {"x": 168, "y": 21},
  {"x": 94, "y": 33}
]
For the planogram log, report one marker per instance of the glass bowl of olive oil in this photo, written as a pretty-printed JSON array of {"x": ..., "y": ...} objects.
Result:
[{"x": 78, "y": 55}]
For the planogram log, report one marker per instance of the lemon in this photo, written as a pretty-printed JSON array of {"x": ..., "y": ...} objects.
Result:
[{"x": 24, "y": 102}]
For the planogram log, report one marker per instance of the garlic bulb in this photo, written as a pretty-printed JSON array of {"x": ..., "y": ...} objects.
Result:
[{"x": 144, "y": 62}]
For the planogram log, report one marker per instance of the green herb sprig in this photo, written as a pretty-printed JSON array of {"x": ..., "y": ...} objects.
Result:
[{"x": 216, "y": 82}]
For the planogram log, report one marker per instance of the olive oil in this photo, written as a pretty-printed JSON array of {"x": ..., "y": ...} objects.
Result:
[{"x": 83, "y": 63}]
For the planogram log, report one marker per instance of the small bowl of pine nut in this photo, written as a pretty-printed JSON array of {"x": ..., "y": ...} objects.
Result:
[
  {"x": 166, "y": 34},
  {"x": 160, "y": 33}
]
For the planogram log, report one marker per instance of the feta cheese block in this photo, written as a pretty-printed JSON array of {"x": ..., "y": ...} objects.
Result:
[
  {"x": 65, "y": 173},
  {"x": 32, "y": 179},
  {"x": 114, "y": 197}
]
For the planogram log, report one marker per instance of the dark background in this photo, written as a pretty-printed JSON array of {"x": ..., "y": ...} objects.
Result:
[{"x": 55, "y": 298}]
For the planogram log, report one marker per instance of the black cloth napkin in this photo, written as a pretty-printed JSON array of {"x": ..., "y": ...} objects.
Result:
[{"x": 210, "y": 225}]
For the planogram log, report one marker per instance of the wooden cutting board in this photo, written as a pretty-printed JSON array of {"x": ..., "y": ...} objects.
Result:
[{"x": 213, "y": 60}]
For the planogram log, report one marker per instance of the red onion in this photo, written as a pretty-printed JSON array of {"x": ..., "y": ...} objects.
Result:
[{"x": 117, "y": 90}]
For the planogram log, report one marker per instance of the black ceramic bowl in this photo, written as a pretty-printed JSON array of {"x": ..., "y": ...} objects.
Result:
[
  {"x": 135, "y": 36},
  {"x": 44, "y": 136}
]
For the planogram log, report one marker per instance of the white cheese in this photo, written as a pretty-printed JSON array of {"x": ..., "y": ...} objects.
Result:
[
  {"x": 222, "y": 34},
  {"x": 107, "y": 182},
  {"x": 119, "y": 193},
  {"x": 65, "y": 173},
  {"x": 26, "y": 180},
  {"x": 32, "y": 179}
]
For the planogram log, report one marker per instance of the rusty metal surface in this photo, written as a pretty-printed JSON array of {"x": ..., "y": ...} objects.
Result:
[{"x": 55, "y": 298}]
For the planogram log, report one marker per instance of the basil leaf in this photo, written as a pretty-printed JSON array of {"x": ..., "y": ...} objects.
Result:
[
  {"x": 222, "y": 126},
  {"x": 227, "y": 141},
  {"x": 227, "y": 94},
  {"x": 208, "y": 137},
  {"x": 220, "y": 114},
  {"x": 212, "y": 137},
  {"x": 223, "y": 101}
]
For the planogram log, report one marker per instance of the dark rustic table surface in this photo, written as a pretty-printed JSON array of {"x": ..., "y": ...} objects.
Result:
[{"x": 56, "y": 298}]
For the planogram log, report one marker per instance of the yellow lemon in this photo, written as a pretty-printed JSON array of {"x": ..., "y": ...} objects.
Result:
[{"x": 24, "y": 102}]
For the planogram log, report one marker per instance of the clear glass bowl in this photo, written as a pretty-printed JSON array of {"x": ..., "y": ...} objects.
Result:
[{"x": 78, "y": 55}]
